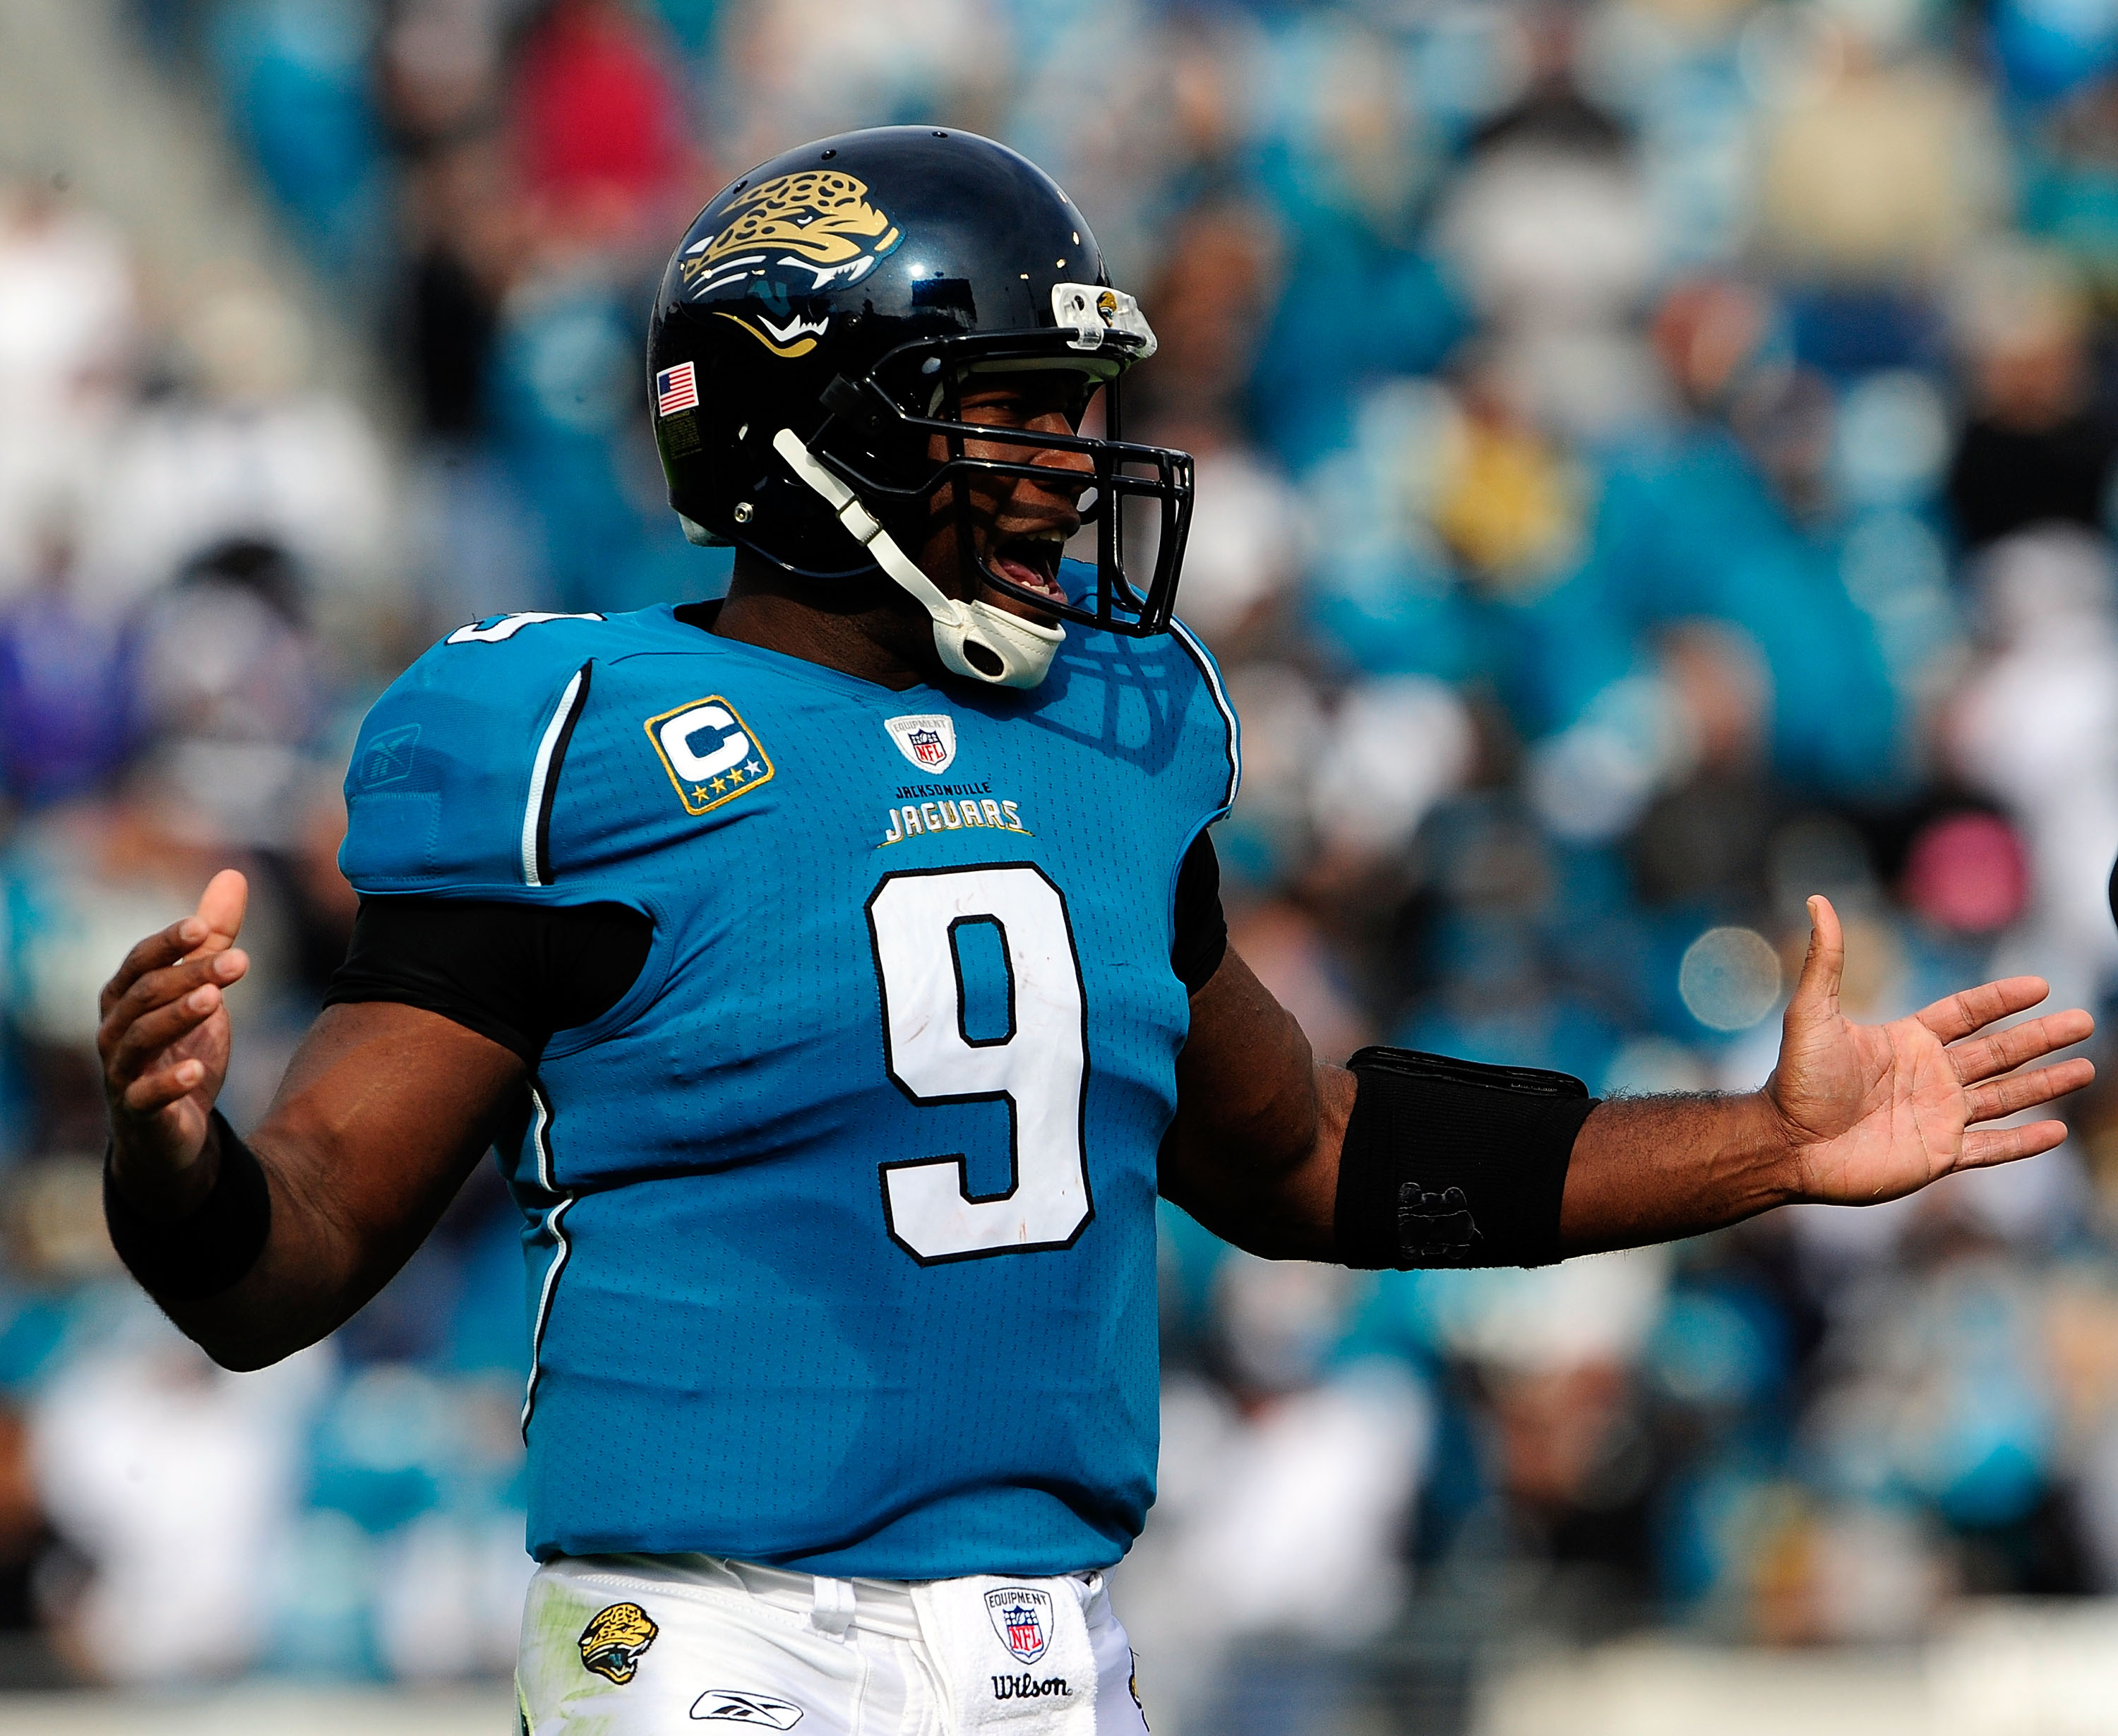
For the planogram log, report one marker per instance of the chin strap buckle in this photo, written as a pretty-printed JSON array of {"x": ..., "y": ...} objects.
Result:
[
  {"x": 1094, "y": 312},
  {"x": 861, "y": 525}
]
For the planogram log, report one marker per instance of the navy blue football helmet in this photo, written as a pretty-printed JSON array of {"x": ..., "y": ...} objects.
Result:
[{"x": 812, "y": 335}]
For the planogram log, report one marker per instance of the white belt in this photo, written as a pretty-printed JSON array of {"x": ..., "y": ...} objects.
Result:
[{"x": 833, "y": 1606}]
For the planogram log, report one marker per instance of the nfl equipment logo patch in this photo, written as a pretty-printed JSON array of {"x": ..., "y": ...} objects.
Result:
[
  {"x": 1022, "y": 1618},
  {"x": 676, "y": 388},
  {"x": 929, "y": 740}
]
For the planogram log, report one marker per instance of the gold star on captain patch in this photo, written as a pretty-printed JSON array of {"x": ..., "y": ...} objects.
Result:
[
  {"x": 720, "y": 785},
  {"x": 698, "y": 792},
  {"x": 735, "y": 776}
]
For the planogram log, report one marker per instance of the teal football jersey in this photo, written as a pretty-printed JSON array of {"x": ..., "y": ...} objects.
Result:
[{"x": 840, "y": 1226}]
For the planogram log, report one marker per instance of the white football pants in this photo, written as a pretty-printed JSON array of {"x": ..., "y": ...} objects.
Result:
[{"x": 627, "y": 1645}]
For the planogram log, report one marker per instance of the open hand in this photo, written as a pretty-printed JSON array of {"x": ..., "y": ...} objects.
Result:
[
  {"x": 164, "y": 1039},
  {"x": 1876, "y": 1111}
]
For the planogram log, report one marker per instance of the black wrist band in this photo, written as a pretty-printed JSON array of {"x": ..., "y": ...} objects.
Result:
[
  {"x": 212, "y": 1247},
  {"x": 1450, "y": 1163}
]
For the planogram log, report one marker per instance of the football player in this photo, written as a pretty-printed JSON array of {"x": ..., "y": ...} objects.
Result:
[{"x": 840, "y": 972}]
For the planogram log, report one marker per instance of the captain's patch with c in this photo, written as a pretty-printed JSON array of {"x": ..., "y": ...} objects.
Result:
[{"x": 709, "y": 753}]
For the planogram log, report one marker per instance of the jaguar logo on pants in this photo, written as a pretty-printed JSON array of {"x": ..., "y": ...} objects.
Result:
[{"x": 614, "y": 1640}]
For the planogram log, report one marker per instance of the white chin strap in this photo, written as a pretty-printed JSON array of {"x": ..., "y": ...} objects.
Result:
[{"x": 1015, "y": 653}]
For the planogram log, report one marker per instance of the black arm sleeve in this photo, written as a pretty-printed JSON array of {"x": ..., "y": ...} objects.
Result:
[
  {"x": 1452, "y": 1163},
  {"x": 1201, "y": 939},
  {"x": 511, "y": 972}
]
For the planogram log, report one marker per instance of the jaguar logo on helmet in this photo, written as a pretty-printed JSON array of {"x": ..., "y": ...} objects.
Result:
[
  {"x": 784, "y": 239},
  {"x": 614, "y": 1639}
]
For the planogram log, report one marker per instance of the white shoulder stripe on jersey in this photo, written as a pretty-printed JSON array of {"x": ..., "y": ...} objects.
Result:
[
  {"x": 1207, "y": 667},
  {"x": 536, "y": 812}
]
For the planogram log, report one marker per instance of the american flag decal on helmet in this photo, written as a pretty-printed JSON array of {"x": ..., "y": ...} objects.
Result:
[{"x": 676, "y": 388}]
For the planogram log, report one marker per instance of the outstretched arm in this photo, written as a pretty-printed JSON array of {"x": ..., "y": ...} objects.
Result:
[
  {"x": 383, "y": 1112},
  {"x": 1853, "y": 1114}
]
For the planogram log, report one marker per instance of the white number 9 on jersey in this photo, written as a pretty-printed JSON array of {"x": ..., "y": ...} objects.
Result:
[{"x": 1040, "y": 1068}]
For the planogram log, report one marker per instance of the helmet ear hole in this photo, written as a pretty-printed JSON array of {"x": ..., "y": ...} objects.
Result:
[{"x": 982, "y": 657}]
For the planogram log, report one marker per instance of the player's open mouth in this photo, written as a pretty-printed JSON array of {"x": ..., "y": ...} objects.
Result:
[{"x": 1031, "y": 562}]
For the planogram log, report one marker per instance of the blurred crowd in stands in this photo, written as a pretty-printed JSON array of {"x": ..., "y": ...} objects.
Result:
[{"x": 1656, "y": 462}]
